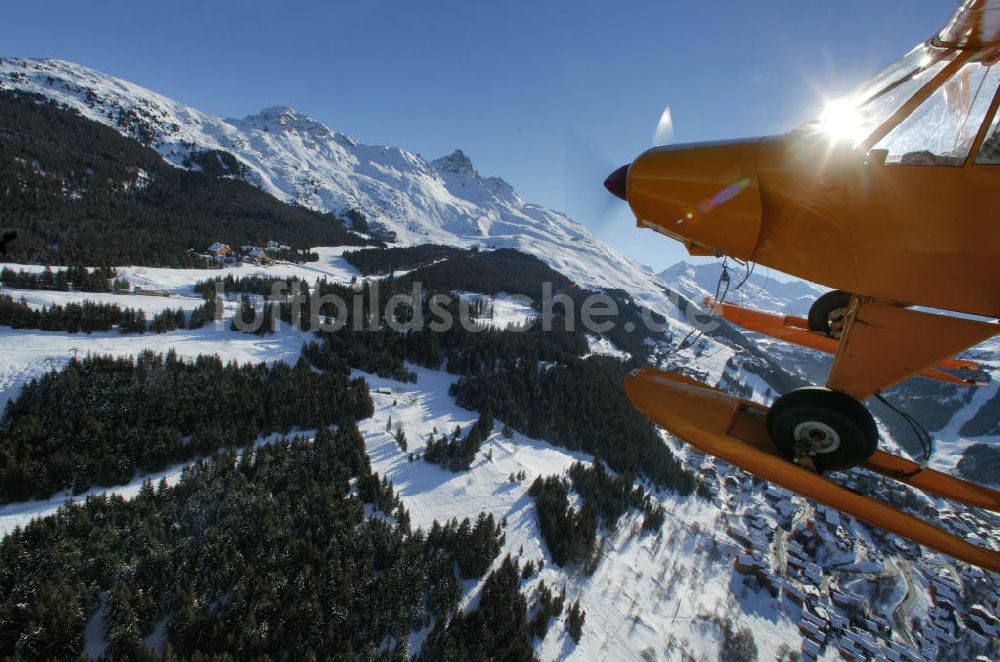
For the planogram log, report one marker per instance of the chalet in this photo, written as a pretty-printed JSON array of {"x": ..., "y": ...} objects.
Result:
[
  {"x": 928, "y": 648},
  {"x": 972, "y": 572},
  {"x": 759, "y": 542},
  {"x": 795, "y": 594},
  {"x": 810, "y": 649},
  {"x": 983, "y": 621},
  {"x": 832, "y": 519},
  {"x": 903, "y": 653},
  {"x": 942, "y": 631},
  {"x": 977, "y": 639},
  {"x": 803, "y": 534},
  {"x": 876, "y": 625},
  {"x": 820, "y": 621},
  {"x": 827, "y": 536},
  {"x": 255, "y": 254},
  {"x": 850, "y": 652},
  {"x": 770, "y": 583},
  {"x": 838, "y": 622},
  {"x": 862, "y": 641},
  {"x": 810, "y": 631},
  {"x": 976, "y": 539},
  {"x": 252, "y": 251},
  {"x": 812, "y": 572},
  {"x": 275, "y": 247},
  {"x": 218, "y": 249},
  {"x": 880, "y": 622},
  {"x": 945, "y": 603},
  {"x": 749, "y": 565},
  {"x": 739, "y": 536},
  {"x": 846, "y": 599}
]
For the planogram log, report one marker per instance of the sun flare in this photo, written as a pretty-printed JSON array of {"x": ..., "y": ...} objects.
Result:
[{"x": 841, "y": 121}]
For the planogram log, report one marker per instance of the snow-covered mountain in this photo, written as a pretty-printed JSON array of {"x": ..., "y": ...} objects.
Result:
[
  {"x": 760, "y": 291},
  {"x": 302, "y": 161}
]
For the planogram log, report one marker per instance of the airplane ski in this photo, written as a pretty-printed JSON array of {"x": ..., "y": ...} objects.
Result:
[
  {"x": 796, "y": 331},
  {"x": 734, "y": 430}
]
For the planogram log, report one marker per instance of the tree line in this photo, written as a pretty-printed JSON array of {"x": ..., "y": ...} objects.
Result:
[
  {"x": 382, "y": 261},
  {"x": 82, "y": 279},
  {"x": 91, "y": 316},
  {"x": 86, "y": 316}
]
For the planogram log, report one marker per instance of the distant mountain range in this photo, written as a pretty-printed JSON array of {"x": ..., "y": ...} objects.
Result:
[
  {"x": 761, "y": 290},
  {"x": 299, "y": 160}
]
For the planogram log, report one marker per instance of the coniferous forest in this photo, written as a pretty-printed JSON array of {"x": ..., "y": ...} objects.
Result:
[
  {"x": 86, "y": 316},
  {"x": 100, "y": 419},
  {"x": 457, "y": 453},
  {"x": 265, "y": 555},
  {"x": 571, "y": 533},
  {"x": 82, "y": 279}
]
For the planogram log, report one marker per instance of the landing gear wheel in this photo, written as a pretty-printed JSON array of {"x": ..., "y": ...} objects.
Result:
[
  {"x": 832, "y": 429},
  {"x": 829, "y": 313}
]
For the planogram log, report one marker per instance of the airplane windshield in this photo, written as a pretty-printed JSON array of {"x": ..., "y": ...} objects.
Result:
[
  {"x": 941, "y": 130},
  {"x": 853, "y": 117}
]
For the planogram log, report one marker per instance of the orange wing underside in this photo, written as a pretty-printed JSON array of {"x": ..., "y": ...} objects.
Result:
[
  {"x": 734, "y": 430},
  {"x": 889, "y": 344}
]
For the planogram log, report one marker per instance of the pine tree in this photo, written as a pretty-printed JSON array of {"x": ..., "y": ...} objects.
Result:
[{"x": 574, "y": 621}]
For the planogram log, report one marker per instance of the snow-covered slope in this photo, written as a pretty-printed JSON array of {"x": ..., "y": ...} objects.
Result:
[
  {"x": 300, "y": 160},
  {"x": 760, "y": 291}
]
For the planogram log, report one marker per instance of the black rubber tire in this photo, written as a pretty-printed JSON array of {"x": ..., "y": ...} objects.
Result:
[
  {"x": 850, "y": 419},
  {"x": 823, "y": 307}
]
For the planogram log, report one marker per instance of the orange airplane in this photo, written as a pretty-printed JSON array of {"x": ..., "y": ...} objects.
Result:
[{"x": 890, "y": 198}]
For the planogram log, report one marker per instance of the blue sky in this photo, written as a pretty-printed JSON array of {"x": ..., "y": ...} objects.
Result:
[{"x": 549, "y": 95}]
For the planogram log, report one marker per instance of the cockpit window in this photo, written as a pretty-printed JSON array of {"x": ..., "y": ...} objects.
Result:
[
  {"x": 853, "y": 117},
  {"x": 941, "y": 130}
]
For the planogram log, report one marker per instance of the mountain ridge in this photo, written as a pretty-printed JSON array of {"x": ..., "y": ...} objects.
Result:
[{"x": 302, "y": 161}]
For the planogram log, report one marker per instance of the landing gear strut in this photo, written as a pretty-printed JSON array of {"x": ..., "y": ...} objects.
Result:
[
  {"x": 828, "y": 314},
  {"x": 821, "y": 429}
]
